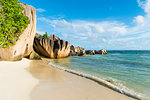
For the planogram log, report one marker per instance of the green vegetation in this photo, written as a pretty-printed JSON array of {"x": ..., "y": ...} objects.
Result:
[
  {"x": 12, "y": 22},
  {"x": 39, "y": 35},
  {"x": 45, "y": 35}
]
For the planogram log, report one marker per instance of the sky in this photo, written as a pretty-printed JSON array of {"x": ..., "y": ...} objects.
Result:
[{"x": 96, "y": 24}]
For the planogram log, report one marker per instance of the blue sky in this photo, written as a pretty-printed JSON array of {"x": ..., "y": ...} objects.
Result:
[{"x": 96, "y": 24}]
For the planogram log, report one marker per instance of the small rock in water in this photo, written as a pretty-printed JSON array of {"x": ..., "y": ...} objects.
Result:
[
  {"x": 90, "y": 52},
  {"x": 77, "y": 51}
]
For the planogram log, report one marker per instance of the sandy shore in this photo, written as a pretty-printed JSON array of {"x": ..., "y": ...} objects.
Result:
[
  {"x": 35, "y": 80},
  {"x": 15, "y": 82}
]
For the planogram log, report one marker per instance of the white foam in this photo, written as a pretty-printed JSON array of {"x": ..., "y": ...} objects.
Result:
[{"x": 117, "y": 85}]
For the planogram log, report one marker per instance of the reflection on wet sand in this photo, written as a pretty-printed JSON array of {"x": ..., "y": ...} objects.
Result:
[
  {"x": 62, "y": 61},
  {"x": 55, "y": 84},
  {"x": 42, "y": 71},
  {"x": 49, "y": 79}
]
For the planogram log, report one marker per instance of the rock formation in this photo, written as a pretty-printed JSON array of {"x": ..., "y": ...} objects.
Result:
[
  {"x": 24, "y": 46},
  {"x": 34, "y": 56},
  {"x": 54, "y": 37},
  {"x": 77, "y": 51},
  {"x": 93, "y": 52},
  {"x": 96, "y": 51},
  {"x": 90, "y": 52},
  {"x": 101, "y": 52},
  {"x": 53, "y": 47}
]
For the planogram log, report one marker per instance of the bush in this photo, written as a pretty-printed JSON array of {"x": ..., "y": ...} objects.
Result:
[
  {"x": 45, "y": 35},
  {"x": 12, "y": 22}
]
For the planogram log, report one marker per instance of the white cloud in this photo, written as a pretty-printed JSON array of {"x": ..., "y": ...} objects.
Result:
[
  {"x": 40, "y": 32},
  {"x": 106, "y": 32},
  {"x": 99, "y": 29},
  {"x": 44, "y": 19},
  {"x": 147, "y": 7},
  {"x": 141, "y": 3},
  {"x": 40, "y": 10},
  {"x": 91, "y": 30},
  {"x": 139, "y": 20}
]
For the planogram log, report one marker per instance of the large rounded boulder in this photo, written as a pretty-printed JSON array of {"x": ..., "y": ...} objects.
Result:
[
  {"x": 52, "y": 47},
  {"x": 23, "y": 46}
]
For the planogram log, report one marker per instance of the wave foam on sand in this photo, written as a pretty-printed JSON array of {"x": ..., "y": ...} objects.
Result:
[{"x": 123, "y": 90}]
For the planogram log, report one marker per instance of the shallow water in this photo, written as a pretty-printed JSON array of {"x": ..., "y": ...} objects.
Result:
[{"x": 128, "y": 70}]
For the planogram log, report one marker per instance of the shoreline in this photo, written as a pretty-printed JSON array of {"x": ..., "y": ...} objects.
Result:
[
  {"x": 37, "y": 80},
  {"x": 97, "y": 80},
  {"x": 67, "y": 77}
]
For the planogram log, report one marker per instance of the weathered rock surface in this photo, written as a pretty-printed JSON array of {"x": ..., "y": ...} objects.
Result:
[
  {"x": 34, "y": 56},
  {"x": 103, "y": 52},
  {"x": 77, "y": 51},
  {"x": 90, "y": 52},
  {"x": 96, "y": 51},
  {"x": 54, "y": 37},
  {"x": 51, "y": 48},
  {"x": 24, "y": 46}
]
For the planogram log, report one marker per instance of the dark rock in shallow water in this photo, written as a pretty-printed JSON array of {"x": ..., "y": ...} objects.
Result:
[
  {"x": 51, "y": 48},
  {"x": 101, "y": 52},
  {"x": 90, "y": 52},
  {"x": 77, "y": 51},
  {"x": 96, "y": 51},
  {"x": 93, "y": 52}
]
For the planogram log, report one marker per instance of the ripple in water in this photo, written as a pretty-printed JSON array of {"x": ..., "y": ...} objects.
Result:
[{"x": 129, "y": 71}]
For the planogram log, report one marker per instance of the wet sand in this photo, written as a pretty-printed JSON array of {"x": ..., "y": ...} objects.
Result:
[
  {"x": 55, "y": 84},
  {"x": 36, "y": 80}
]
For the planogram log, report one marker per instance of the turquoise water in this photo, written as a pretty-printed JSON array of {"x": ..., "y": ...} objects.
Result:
[{"x": 127, "y": 70}]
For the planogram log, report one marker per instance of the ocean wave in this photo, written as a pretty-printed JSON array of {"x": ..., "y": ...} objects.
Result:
[
  {"x": 109, "y": 82},
  {"x": 122, "y": 61}
]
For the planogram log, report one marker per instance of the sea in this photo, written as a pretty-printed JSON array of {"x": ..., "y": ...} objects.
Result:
[{"x": 127, "y": 71}]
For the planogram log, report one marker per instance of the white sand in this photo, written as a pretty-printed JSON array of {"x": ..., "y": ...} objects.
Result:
[
  {"x": 15, "y": 82},
  {"x": 26, "y": 80}
]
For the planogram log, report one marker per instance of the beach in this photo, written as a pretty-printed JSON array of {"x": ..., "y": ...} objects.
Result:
[
  {"x": 36, "y": 80},
  {"x": 15, "y": 82},
  {"x": 74, "y": 50}
]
